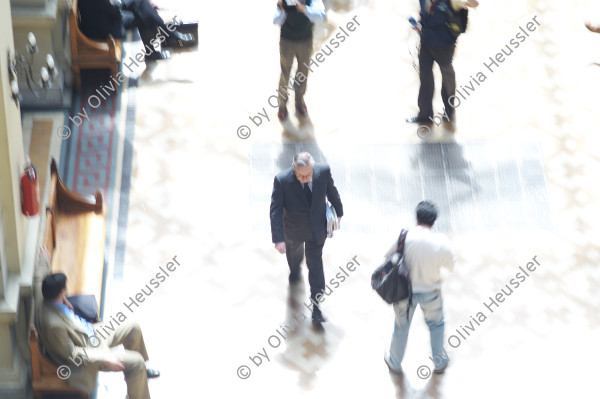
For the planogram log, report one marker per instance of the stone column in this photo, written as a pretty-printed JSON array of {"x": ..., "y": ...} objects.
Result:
[{"x": 13, "y": 369}]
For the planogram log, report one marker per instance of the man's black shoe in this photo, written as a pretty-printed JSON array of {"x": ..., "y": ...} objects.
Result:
[
  {"x": 418, "y": 120},
  {"x": 179, "y": 40},
  {"x": 294, "y": 278},
  {"x": 152, "y": 373},
  {"x": 317, "y": 316},
  {"x": 158, "y": 55}
]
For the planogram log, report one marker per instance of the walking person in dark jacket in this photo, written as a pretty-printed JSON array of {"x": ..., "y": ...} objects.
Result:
[
  {"x": 299, "y": 221},
  {"x": 437, "y": 45}
]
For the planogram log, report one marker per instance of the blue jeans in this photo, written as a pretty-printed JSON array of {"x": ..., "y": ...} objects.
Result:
[{"x": 431, "y": 305}]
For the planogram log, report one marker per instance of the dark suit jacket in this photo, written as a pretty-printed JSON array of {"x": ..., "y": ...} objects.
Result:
[
  {"x": 99, "y": 19},
  {"x": 291, "y": 217}
]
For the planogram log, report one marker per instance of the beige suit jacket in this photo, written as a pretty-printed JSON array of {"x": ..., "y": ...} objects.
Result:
[{"x": 65, "y": 342}]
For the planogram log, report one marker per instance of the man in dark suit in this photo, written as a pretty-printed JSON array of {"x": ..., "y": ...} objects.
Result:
[
  {"x": 100, "y": 18},
  {"x": 298, "y": 221}
]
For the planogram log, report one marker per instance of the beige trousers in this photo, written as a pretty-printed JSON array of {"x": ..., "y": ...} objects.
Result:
[
  {"x": 288, "y": 50},
  {"x": 134, "y": 357}
]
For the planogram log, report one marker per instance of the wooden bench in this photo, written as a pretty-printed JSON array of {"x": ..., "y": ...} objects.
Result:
[
  {"x": 45, "y": 372},
  {"x": 74, "y": 237},
  {"x": 91, "y": 53}
]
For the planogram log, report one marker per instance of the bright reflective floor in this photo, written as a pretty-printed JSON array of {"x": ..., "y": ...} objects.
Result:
[{"x": 516, "y": 180}]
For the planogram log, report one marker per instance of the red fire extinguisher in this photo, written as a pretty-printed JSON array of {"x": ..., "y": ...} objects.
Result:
[{"x": 30, "y": 191}]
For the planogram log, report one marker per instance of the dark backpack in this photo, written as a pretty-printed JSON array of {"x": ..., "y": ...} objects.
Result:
[
  {"x": 457, "y": 21},
  {"x": 392, "y": 280}
]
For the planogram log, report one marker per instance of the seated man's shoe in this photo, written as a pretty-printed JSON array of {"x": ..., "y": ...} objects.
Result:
[
  {"x": 301, "y": 109},
  {"x": 385, "y": 359},
  {"x": 179, "y": 40},
  {"x": 317, "y": 316},
  {"x": 158, "y": 55},
  {"x": 282, "y": 114},
  {"x": 152, "y": 373},
  {"x": 420, "y": 121}
]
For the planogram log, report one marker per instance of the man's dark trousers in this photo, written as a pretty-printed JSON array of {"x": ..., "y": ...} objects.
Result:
[
  {"x": 302, "y": 223},
  {"x": 295, "y": 251},
  {"x": 443, "y": 56},
  {"x": 144, "y": 17}
]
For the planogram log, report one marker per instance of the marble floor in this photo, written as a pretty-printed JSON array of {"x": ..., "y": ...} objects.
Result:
[{"x": 516, "y": 180}]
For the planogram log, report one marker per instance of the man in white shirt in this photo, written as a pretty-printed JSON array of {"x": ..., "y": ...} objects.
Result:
[{"x": 425, "y": 253}]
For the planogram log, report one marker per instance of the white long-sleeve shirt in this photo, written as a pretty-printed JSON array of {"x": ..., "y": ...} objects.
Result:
[
  {"x": 314, "y": 12},
  {"x": 425, "y": 253}
]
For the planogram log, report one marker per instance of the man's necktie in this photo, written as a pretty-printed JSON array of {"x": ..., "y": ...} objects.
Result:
[
  {"x": 308, "y": 194},
  {"x": 432, "y": 6}
]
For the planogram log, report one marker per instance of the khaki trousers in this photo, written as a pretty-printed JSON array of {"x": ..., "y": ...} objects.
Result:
[
  {"x": 288, "y": 50},
  {"x": 134, "y": 357}
]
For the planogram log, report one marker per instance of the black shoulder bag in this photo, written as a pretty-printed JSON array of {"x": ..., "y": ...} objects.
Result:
[{"x": 391, "y": 280}]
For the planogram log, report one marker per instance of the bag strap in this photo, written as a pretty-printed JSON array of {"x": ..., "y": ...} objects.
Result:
[{"x": 401, "y": 241}]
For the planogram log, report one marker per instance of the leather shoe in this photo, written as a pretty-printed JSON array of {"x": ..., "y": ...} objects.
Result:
[
  {"x": 179, "y": 40},
  {"x": 301, "y": 109},
  {"x": 317, "y": 316},
  {"x": 418, "y": 120},
  {"x": 282, "y": 114},
  {"x": 158, "y": 55},
  {"x": 152, "y": 373},
  {"x": 294, "y": 278}
]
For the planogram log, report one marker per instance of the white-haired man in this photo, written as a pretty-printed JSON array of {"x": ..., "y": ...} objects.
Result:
[{"x": 298, "y": 221}]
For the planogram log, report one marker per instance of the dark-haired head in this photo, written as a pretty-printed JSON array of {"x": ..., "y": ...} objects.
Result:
[
  {"x": 426, "y": 213},
  {"x": 53, "y": 285}
]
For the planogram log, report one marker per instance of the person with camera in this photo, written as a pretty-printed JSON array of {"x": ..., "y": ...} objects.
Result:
[
  {"x": 296, "y": 20},
  {"x": 438, "y": 42}
]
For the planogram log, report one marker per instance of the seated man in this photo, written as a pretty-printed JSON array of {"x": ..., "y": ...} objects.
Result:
[
  {"x": 100, "y": 18},
  {"x": 71, "y": 341}
]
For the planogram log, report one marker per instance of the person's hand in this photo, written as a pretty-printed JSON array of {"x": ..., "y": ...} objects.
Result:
[
  {"x": 472, "y": 3},
  {"x": 280, "y": 246},
  {"x": 280, "y": 5},
  {"x": 300, "y": 7},
  {"x": 113, "y": 363}
]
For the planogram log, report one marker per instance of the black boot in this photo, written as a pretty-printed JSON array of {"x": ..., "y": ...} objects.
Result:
[{"x": 317, "y": 316}]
